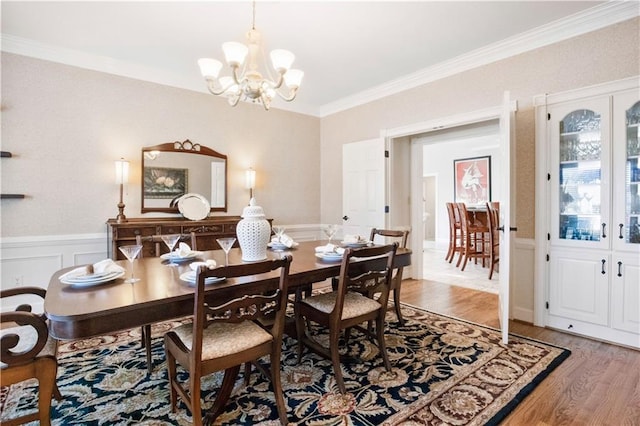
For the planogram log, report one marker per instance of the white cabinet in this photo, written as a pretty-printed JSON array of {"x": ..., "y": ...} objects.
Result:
[{"x": 592, "y": 195}]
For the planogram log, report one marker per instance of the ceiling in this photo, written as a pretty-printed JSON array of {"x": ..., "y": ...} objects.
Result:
[{"x": 351, "y": 52}]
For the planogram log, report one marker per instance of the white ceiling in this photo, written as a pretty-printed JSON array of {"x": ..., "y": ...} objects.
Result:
[{"x": 351, "y": 52}]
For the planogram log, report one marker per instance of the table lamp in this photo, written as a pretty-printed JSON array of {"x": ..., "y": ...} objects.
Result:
[{"x": 122, "y": 177}]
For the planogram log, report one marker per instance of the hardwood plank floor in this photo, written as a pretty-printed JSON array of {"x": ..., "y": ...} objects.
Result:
[{"x": 599, "y": 384}]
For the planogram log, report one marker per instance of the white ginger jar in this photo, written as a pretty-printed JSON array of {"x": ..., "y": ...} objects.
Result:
[{"x": 254, "y": 233}]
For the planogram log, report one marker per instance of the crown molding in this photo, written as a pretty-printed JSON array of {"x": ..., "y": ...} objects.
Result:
[
  {"x": 581, "y": 23},
  {"x": 590, "y": 20}
]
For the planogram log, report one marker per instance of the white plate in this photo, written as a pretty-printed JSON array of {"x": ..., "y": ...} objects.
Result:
[
  {"x": 194, "y": 206},
  {"x": 356, "y": 245},
  {"x": 88, "y": 283},
  {"x": 279, "y": 246},
  {"x": 172, "y": 257},
  {"x": 190, "y": 277},
  {"x": 329, "y": 256}
]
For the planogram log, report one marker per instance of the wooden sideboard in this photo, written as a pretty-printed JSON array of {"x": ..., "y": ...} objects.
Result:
[{"x": 206, "y": 230}]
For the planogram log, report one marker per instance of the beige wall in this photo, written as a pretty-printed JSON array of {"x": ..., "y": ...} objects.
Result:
[
  {"x": 605, "y": 55},
  {"x": 66, "y": 126}
]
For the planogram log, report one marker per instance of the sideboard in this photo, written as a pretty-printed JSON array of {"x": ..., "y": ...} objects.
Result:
[{"x": 206, "y": 230}]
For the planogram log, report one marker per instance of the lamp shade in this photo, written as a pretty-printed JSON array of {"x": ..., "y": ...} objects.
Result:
[
  {"x": 250, "y": 179},
  {"x": 209, "y": 68},
  {"x": 293, "y": 78},
  {"x": 122, "y": 171},
  {"x": 234, "y": 52},
  {"x": 282, "y": 59}
]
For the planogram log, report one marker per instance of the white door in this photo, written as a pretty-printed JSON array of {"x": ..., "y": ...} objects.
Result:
[
  {"x": 506, "y": 136},
  {"x": 363, "y": 186}
]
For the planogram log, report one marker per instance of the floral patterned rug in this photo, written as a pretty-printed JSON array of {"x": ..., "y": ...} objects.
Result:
[{"x": 447, "y": 371}]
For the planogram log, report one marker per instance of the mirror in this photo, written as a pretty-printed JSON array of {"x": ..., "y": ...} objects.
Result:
[{"x": 173, "y": 169}]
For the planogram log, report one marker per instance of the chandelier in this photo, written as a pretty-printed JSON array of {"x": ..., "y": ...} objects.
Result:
[{"x": 246, "y": 82}]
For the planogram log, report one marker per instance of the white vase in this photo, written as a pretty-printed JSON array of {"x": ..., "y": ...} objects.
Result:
[{"x": 254, "y": 233}]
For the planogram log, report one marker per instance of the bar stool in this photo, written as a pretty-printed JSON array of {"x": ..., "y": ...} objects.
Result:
[
  {"x": 455, "y": 232},
  {"x": 493, "y": 213},
  {"x": 473, "y": 236}
]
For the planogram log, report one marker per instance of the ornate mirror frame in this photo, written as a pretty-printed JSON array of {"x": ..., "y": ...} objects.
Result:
[{"x": 172, "y": 169}]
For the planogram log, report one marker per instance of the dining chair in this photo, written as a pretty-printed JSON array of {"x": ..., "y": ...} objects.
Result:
[
  {"x": 28, "y": 352},
  {"x": 363, "y": 271},
  {"x": 493, "y": 214},
  {"x": 145, "y": 333},
  {"x": 455, "y": 232},
  {"x": 402, "y": 237},
  {"x": 226, "y": 334},
  {"x": 473, "y": 237}
]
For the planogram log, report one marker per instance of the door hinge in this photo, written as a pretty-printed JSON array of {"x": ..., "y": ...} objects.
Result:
[
  {"x": 548, "y": 236},
  {"x": 547, "y": 305},
  {"x": 386, "y": 209},
  {"x": 548, "y": 176},
  {"x": 548, "y": 116},
  {"x": 547, "y": 257},
  {"x": 386, "y": 153}
]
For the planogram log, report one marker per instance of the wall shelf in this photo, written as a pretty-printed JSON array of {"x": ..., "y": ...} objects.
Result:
[{"x": 7, "y": 154}]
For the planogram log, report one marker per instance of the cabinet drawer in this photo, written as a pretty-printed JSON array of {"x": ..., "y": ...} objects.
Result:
[
  {"x": 144, "y": 231},
  {"x": 201, "y": 229},
  {"x": 230, "y": 228},
  {"x": 171, "y": 229}
]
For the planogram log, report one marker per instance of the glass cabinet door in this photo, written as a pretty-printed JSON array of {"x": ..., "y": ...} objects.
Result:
[
  {"x": 581, "y": 186},
  {"x": 627, "y": 179}
]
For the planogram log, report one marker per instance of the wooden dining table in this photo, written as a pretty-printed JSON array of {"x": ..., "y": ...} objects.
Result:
[{"x": 160, "y": 294}]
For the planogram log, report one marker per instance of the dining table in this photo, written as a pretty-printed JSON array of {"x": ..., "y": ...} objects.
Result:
[{"x": 160, "y": 294}]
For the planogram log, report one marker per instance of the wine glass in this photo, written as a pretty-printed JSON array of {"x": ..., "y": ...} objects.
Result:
[
  {"x": 226, "y": 244},
  {"x": 278, "y": 230},
  {"x": 170, "y": 240},
  {"x": 330, "y": 231},
  {"x": 131, "y": 252}
]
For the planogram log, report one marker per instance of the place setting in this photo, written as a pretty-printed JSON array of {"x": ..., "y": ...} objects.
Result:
[
  {"x": 281, "y": 241},
  {"x": 98, "y": 273},
  {"x": 329, "y": 252},
  {"x": 191, "y": 276},
  {"x": 182, "y": 254},
  {"x": 355, "y": 241}
]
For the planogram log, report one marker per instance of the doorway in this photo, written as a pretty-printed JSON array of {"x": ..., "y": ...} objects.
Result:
[{"x": 439, "y": 151}]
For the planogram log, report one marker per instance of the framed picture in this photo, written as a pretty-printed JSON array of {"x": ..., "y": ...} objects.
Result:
[
  {"x": 165, "y": 182},
  {"x": 472, "y": 177}
]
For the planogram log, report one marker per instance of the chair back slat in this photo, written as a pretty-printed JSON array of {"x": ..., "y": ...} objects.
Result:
[{"x": 365, "y": 270}]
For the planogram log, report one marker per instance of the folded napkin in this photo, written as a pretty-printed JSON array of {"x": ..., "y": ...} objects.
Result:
[
  {"x": 353, "y": 239},
  {"x": 330, "y": 248},
  {"x": 103, "y": 267},
  {"x": 284, "y": 239},
  {"x": 183, "y": 250},
  {"x": 209, "y": 263}
]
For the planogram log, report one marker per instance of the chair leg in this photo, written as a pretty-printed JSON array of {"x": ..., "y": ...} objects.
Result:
[
  {"x": 396, "y": 302},
  {"x": 381, "y": 343},
  {"x": 222, "y": 398},
  {"x": 335, "y": 359},
  {"x": 146, "y": 344},
  {"x": 194, "y": 395},
  {"x": 46, "y": 374},
  {"x": 171, "y": 368},
  {"x": 300, "y": 330},
  {"x": 278, "y": 392}
]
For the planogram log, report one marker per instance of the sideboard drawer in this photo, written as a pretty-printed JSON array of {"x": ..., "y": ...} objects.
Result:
[
  {"x": 204, "y": 229},
  {"x": 132, "y": 232},
  {"x": 171, "y": 229}
]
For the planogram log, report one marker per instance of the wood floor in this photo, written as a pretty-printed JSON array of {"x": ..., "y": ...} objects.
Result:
[{"x": 599, "y": 384}]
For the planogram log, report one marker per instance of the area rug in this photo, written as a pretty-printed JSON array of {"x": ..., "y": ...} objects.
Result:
[{"x": 446, "y": 371}]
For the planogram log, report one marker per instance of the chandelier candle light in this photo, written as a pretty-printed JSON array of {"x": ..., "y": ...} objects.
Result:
[{"x": 248, "y": 83}]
